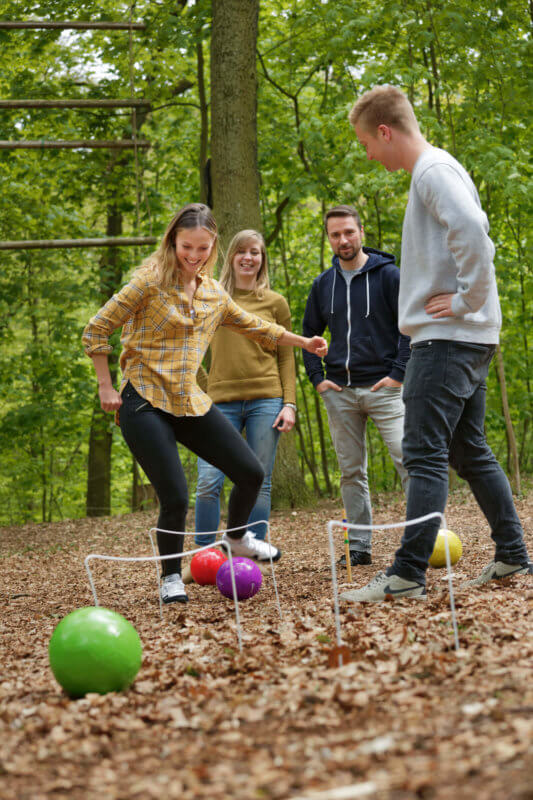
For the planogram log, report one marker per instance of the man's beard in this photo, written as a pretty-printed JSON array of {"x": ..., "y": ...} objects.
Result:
[{"x": 348, "y": 255}]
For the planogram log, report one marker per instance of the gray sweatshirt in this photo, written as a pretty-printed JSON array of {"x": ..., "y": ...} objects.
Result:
[{"x": 446, "y": 249}]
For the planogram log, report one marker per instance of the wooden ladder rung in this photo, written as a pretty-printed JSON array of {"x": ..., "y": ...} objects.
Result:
[
  {"x": 88, "y": 144},
  {"x": 118, "y": 103},
  {"x": 72, "y": 25},
  {"x": 49, "y": 244}
]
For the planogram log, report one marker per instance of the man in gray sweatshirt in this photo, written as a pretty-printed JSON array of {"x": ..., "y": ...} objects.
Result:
[{"x": 448, "y": 305}]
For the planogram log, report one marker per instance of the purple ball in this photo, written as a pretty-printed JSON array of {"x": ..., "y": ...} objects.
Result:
[{"x": 248, "y": 578}]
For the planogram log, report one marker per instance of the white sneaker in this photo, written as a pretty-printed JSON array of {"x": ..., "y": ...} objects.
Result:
[
  {"x": 251, "y": 547},
  {"x": 173, "y": 590},
  {"x": 496, "y": 570},
  {"x": 385, "y": 587}
]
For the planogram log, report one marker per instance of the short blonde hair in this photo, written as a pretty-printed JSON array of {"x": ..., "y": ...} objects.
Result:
[
  {"x": 384, "y": 105},
  {"x": 227, "y": 275}
]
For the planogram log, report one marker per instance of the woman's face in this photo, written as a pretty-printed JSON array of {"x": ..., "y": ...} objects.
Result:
[
  {"x": 193, "y": 248},
  {"x": 247, "y": 260}
]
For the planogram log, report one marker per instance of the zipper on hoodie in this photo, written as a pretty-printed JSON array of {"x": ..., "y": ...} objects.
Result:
[{"x": 348, "y": 311}]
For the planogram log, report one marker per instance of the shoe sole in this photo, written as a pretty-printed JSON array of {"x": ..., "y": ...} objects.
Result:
[
  {"x": 259, "y": 560},
  {"x": 175, "y": 600},
  {"x": 267, "y": 560},
  {"x": 387, "y": 599}
]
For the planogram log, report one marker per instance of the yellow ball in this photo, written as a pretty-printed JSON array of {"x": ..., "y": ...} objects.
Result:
[{"x": 438, "y": 557}]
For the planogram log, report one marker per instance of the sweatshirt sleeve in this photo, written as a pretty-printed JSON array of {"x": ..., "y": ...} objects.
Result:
[
  {"x": 449, "y": 200},
  {"x": 112, "y": 315},
  {"x": 236, "y": 318},
  {"x": 313, "y": 325},
  {"x": 286, "y": 367}
]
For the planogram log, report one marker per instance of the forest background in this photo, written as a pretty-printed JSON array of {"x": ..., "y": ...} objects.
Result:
[{"x": 271, "y": 148}]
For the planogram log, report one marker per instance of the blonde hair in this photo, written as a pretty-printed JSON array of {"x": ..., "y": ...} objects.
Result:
[
  {"x": 164, "y": 262},
  {"x": 227, "y": 275},
  {"x": 384, "y": 105}
]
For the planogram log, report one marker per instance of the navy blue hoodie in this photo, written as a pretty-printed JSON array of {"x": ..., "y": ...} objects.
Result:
[{"x": 366, "y": 344}]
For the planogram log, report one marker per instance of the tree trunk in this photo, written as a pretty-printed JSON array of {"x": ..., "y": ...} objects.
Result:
[
  {"x": 514, "y": 467},
  {"x": 288, "y": 486},
  {"x": 234, "y": 173},
  {"x": 98, "y": 502}
]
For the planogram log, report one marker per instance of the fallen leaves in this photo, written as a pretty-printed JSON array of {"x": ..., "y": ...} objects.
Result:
[{"x": 405, "y": 716}]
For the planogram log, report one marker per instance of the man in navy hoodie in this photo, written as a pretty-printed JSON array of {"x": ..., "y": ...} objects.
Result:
[{"x": 357, "y": 299}]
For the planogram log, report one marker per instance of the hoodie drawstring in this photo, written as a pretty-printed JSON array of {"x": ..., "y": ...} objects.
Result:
[
  {"x": 367, "y": 298},
  {"x": 333, "y": 290}
]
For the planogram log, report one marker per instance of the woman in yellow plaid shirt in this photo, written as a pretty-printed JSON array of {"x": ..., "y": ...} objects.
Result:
[{"x": 169, "y": 312}]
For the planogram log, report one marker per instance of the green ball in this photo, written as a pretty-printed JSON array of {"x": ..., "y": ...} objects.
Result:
[{"x": 94, "y": 650}]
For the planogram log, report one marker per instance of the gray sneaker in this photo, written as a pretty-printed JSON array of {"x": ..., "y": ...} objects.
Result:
[
  {"x": 383, "y": 587},
  {"x": 173, "y": 590},
  {"x": 497, "y": 570}
]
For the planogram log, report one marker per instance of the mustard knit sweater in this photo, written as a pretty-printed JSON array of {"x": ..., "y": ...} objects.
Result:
[{"x": 240, "y": 368}]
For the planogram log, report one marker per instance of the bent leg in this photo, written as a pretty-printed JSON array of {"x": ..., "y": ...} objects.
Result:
[
  {"x": 263, "y": 439},
  {"x": 207, "y": 508},
  {"x": 210, "y": 483},
  {"x": 150, "y": 436},
  {"x": 475, "y": 462},
  {"x": 213, "y": 438}
]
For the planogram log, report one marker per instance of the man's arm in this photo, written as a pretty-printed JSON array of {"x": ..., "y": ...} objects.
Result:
[
  {"x": 313, "y": 325},
  {"x": 449, "y": 200},
  {"x": 397, "y": 373}
]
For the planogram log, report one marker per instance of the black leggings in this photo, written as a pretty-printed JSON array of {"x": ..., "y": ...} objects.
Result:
[{"x": 151, "y": 435}]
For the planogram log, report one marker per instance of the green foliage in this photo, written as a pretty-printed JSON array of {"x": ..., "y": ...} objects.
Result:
[{"x": 468, "y": 71}]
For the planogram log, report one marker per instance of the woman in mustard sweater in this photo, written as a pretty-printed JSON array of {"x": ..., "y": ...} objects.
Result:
[{"x": 255, "y": 389}]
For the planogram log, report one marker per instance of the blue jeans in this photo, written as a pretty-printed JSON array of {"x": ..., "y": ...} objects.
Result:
[
  {"x": 257, "y": 418},
  {"x": 444, "y": 394}
]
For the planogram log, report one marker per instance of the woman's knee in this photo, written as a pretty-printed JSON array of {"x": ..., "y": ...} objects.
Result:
[{"x": 255, "y": 476}]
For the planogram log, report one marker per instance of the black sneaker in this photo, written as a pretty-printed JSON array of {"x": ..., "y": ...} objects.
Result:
[{"x": 357, "y": 558}]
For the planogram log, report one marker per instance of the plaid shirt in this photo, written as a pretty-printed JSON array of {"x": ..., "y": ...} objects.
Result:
[{"x": 164, "y": 339}]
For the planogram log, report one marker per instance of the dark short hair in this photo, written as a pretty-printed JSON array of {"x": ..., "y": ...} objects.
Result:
[{"x": 342, "y": 211}]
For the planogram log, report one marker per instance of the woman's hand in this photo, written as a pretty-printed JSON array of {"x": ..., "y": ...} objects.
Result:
[
  {"x": 110, "y": 400},
  {"x": 317, "y": 345},
  {"x": 285, "y": 420}
]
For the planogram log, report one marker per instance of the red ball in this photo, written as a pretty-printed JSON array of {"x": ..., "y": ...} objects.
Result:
[{"x": 205, "y": 565}]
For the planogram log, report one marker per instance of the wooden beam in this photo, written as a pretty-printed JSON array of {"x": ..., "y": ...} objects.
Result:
[
  {"x": 49, "y": 244},
  {"x": 89, "y": 144},
  {"x": 73, "y": 25},
  {"x": 75, "y": 103}
]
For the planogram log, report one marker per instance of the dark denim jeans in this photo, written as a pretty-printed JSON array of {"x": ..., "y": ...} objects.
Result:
[{"x": 444, "y": 395}]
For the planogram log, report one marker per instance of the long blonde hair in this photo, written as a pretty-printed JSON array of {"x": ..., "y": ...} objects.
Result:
[
  {"x": 227, "y": 275},
  {"x": 164, "y": 261}
]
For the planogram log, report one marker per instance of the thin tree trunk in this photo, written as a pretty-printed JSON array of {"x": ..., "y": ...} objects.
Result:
[
  {"x": 323, "y": 448},
  {"x": 514, "y": 467},
  {"x": 204, "y": 125}
]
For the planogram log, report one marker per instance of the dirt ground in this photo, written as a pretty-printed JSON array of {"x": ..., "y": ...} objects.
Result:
[{"x": 406, "y": 718}]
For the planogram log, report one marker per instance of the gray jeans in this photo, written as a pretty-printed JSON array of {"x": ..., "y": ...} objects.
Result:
[{"x": 348, "y": 412}]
